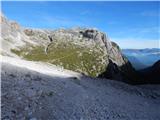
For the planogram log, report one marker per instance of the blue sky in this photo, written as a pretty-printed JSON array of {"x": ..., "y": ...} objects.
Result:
[{"x": 130, "y": 24}]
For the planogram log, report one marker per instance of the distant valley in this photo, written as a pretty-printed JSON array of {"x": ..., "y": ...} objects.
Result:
[{"x": 142, "y": 58}]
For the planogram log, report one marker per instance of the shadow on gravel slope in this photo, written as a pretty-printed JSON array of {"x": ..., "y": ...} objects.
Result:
[{"x": 29, "y": 95}]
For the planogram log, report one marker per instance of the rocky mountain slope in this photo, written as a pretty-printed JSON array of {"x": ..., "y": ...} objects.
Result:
[
  {"x": 32, "y": 94},
  {"x": 151, "y": 74},
  {"x": 83, "y": 50}
]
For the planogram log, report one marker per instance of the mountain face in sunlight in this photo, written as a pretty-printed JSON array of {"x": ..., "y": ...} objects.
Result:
[
  {"x": 142, "y": 58},
  {"x": 84, "y": 50}
]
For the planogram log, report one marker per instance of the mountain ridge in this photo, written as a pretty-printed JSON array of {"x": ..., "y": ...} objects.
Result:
[{"x": 83, "y": 50}]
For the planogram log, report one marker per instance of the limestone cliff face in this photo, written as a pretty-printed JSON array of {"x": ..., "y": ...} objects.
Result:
[
  {"x": 12, "y": 36},
  {"x": 118, "y": 67},
  {"x": 84, "y": 50}
]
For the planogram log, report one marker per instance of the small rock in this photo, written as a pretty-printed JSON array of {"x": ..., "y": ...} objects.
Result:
[
  {"x": 33, "y": 119},
  {"x": 13, "y": 111}
]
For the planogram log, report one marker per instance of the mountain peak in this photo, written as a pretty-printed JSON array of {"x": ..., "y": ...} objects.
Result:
[{"x": 85, "y": 50}]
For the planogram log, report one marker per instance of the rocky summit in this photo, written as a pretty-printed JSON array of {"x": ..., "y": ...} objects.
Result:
[{"x": 84, "y": 50}]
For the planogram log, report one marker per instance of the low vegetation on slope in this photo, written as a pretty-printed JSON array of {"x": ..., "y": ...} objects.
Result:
[{"x": 70, "y": 56}]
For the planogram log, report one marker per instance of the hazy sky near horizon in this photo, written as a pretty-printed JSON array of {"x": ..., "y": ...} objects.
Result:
[{"x": 130, "y": 24}]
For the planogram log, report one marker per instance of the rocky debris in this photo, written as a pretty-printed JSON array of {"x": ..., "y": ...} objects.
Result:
[
  {"x": 30, "y": 95},
  {"x": 90, "y": 33},
  {"x": 44, "y": 68},
  {"x": 15, "y": 26},
  {"x": 29, "y": 32},
  {"x": 3, "y": 18}
]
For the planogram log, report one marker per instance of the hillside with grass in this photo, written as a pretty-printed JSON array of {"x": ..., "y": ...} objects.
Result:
[{"x": 84, "y": 50}]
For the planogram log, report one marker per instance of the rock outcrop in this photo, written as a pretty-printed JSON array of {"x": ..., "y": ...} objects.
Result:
[
  {"x": 83, "y": 50},
  {"x": 151, "y": 75},
  {"x": 12, "y": 36}
]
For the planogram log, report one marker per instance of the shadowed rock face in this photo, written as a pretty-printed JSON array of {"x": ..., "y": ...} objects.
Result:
[
  {"x": 151, "y": 74},
  {"x": 83, "y": 50},
  {"x": 123, "y": 73}
]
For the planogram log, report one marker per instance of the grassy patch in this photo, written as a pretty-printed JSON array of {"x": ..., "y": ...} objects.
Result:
[{"x": 68, "y": 55}]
